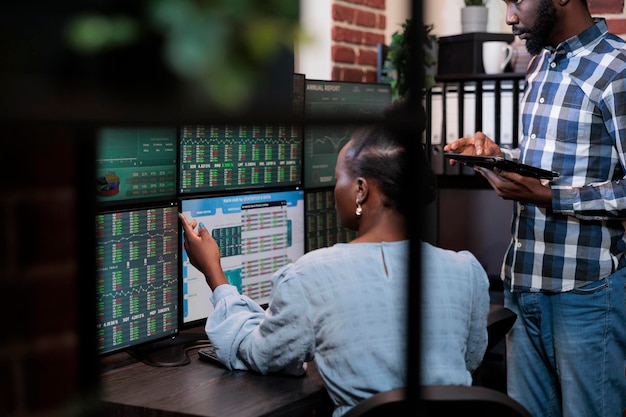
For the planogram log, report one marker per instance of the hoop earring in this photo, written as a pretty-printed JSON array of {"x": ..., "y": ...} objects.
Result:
[{"x": 359, "y": 209}]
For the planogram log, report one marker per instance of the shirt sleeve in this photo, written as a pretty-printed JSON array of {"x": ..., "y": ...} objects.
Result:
[
  {"x": 277, "y": 340},
  {"x": 477, "y": 338},
  {"x": 604, "y": 200}
]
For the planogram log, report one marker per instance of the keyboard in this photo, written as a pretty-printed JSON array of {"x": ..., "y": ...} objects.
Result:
[{"x": 207, "y": 353}]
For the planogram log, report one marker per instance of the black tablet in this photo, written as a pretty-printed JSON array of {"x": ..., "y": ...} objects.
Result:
[{"x": 504, "y": 164}]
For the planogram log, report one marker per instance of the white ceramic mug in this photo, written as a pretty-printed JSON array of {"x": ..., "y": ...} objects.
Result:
[{"x": 496, "y": 56}]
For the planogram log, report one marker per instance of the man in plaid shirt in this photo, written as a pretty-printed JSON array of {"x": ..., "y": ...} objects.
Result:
[{"x": 564, "y": 270}]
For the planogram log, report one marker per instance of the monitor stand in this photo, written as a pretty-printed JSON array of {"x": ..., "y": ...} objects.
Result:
[{"x": 169, "y": 352}]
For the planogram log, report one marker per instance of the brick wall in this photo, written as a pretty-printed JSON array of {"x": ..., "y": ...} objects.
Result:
[
  {"x": 614, "y": 12},
  {"x": 47, "y": 362},
  {"x": 357, "y": 27}
]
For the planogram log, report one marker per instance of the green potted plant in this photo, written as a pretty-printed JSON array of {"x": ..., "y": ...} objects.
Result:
[
  {"x": 474, "y": 16},
  {"x": 396, "y": 62}
]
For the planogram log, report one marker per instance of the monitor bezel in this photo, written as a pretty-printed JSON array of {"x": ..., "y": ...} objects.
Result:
[
  {"x": 350, "y": 120},
  {"x": 185, "y": 325},
  {"x": 152, "y": 344},
  {"x": 104, "y": 204}
]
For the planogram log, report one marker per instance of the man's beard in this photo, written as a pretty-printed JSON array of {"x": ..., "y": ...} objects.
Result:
[{"x": 540, "y": 33}]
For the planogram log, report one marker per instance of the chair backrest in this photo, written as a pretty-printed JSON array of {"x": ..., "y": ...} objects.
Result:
[
  {"x": 499, "y": 322},
  {"x": 441, "y": 401},
  {"x": 383, "y": 404},
  {"x": 446, "y": 400},
  {"x": 492, "y": 371}
]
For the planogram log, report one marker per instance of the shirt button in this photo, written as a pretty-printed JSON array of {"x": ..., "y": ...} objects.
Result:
[
  {"x": 553, "y": 64},
  {"x": 519, "y": 245},
  {"x": 542, "y": 100},
  {"x": 569, "y": 54},
  {"x": 533, "y": 136}
]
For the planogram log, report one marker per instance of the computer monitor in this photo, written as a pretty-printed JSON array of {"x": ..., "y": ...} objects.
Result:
[
  {"x": 332, "y": 108},
  {"x": 137, "y": 276},
  {"x": 257, "y": 234},
  {"x": 322, "y": 224},
  {"x": 135, "y": 164},
  {"x": 218, "y": 157}
]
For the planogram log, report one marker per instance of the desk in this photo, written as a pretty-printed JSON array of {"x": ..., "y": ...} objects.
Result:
[{"x": 202, "y": 389}]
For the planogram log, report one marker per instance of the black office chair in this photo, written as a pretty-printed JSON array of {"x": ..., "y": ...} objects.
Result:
[
  {"x": 499, "y": 322},
  {"x": 487, "y": 397},
  {"x": 383, "y": 404},
  {"x": 447, "y": 400},
  {"x": 492, "y": 371},
  {"x": 441, "y": 401}
]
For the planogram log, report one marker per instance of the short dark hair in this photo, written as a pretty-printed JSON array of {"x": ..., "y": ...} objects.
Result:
[{"x": 387, "y": 152}]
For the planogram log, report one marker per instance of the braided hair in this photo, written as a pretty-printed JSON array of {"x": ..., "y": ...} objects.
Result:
[{"x": 387, "y": 152}]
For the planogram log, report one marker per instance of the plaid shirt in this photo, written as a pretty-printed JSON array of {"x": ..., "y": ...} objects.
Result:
[{"x": 573, "y": 121}]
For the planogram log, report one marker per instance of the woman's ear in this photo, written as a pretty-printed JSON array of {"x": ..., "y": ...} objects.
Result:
[{"x": 362, "y": 189}]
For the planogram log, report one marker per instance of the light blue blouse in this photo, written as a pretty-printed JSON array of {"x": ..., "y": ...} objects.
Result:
[{"x": 345, "y": 307}]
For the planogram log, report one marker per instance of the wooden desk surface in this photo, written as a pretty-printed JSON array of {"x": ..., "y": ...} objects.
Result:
[{"x": 203, "y": 389}]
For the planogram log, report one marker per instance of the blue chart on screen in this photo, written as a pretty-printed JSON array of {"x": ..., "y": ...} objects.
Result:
[{"x": 257, "y": 234}]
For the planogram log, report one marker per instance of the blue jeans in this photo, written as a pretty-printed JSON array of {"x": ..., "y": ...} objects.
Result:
[{"x": 566, "y": 352}]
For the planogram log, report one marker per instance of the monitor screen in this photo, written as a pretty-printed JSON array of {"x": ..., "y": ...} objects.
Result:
[
  {"x": 219, "y": 157},
  {"x": 134, "y": 163},
  {"x": 335, "y": 101},
  {"x": 137, "y": 276},
  {"x": 257, "y": 234},
  {"x": 322, "y": 224}
]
